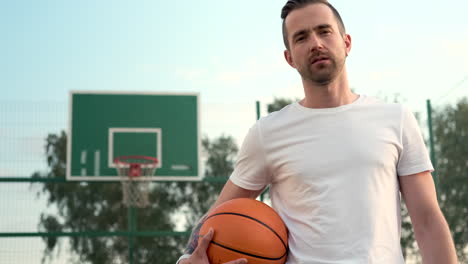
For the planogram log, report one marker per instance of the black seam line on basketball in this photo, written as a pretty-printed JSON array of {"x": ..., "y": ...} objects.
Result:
[
  {"x": 248, "y": 254},
  {"x": 256, "y": 220}
]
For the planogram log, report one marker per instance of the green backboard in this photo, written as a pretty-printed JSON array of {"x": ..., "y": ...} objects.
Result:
[{"x": 106, "y": 125}]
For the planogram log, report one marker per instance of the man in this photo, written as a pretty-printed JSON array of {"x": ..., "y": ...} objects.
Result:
[{"x": 336, "y": 162}]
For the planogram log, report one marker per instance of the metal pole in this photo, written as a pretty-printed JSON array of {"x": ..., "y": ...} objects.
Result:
[
  {"x": 257, "y": 104},
  {"x": 431, "y": 145},
  {"x": 64, "y": 180},
  {"x": 262, "y": 195},
  {"x": 131, "y": 230},
  {"x": 96, "y": 233}
]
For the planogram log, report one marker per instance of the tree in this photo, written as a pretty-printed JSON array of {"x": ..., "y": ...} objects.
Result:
[
  {"x": 88, "y": 206},
  {"x": 278, "y": 104},
  {"x": 221, "y": 155},
  {"x": 451, "y": 149}
]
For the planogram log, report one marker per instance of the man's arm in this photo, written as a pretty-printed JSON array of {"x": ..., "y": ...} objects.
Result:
[
  {"x": 430, "y": 228},
  {"x": 197, "y": 247}
]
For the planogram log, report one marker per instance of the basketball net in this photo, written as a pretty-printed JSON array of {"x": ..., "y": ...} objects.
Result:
[{"x": 135, "y": 191}]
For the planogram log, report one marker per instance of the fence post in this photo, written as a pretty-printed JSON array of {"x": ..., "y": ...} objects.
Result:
[
  {"x": 131, "y": 230},
  {"x": 431, "y": 145}
]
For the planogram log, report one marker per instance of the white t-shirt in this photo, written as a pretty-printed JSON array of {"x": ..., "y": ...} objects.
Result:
[{"x": 333, "y": 176}]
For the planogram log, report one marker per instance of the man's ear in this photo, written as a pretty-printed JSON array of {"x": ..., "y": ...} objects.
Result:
[
  {"x": 288, "y": 57},
  {"x": 347, "y": 40}
]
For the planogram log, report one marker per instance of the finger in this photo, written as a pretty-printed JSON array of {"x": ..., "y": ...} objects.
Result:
[
  {"x": 204, "y": 242},
  {"x": 238, "y": 261}
]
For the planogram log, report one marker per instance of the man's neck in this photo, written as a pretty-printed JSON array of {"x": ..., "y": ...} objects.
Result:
[{"x": 334, "y": 94}]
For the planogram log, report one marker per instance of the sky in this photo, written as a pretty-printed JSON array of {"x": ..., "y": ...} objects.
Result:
[{"x": 230, "y": 52}]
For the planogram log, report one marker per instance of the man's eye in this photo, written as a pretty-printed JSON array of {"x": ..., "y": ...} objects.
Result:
[
  {"x": 324, "y": 32},
  {"x": 299, "y": 39}
]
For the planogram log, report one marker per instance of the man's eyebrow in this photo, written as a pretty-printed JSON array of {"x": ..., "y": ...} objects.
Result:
[
  {"x": 300, "y": 32},
  {"x": 322, "y": 26},
  {"x": 306, "y": 31}
]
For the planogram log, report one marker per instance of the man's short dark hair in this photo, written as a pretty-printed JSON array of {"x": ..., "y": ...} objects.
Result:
[{"x": 297, "y": 4}]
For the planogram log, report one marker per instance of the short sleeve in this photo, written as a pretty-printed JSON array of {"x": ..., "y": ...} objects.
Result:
[
  {"x": 414, "y": 157},
  {"x": 251, "y": 171}
]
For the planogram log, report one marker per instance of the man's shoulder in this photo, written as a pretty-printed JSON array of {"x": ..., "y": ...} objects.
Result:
[
  {"x": 378, "y": 103},
  {"x": 275, "y": 121},
  {"x": 278, "y": 115}
]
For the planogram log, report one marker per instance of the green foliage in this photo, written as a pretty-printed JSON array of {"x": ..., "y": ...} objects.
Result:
[
  {"x": 278, "y": 104},
  {"x": 451, "y": 143},
  {"x": 93, "y": 206},
  {"x": 221, "y": 155},
  {"x": 392, "y": 98}
]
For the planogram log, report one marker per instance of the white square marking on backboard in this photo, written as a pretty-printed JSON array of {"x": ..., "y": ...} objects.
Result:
[{"x": 113, "y": 130}]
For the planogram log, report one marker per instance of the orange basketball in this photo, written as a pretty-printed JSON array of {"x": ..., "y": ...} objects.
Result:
[{"x": 246, "y": 228}]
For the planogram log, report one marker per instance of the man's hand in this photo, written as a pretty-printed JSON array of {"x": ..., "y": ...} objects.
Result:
[{"x": 199, "y": 255}]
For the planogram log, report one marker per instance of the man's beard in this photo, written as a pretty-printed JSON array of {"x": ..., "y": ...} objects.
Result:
[{"x": 325, "y": 74}]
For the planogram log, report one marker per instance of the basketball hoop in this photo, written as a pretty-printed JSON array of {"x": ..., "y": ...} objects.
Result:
[{"x": 135, "y": 191}]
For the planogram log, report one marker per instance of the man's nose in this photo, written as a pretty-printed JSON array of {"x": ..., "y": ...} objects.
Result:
[{"x": 315, "y": 43}]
